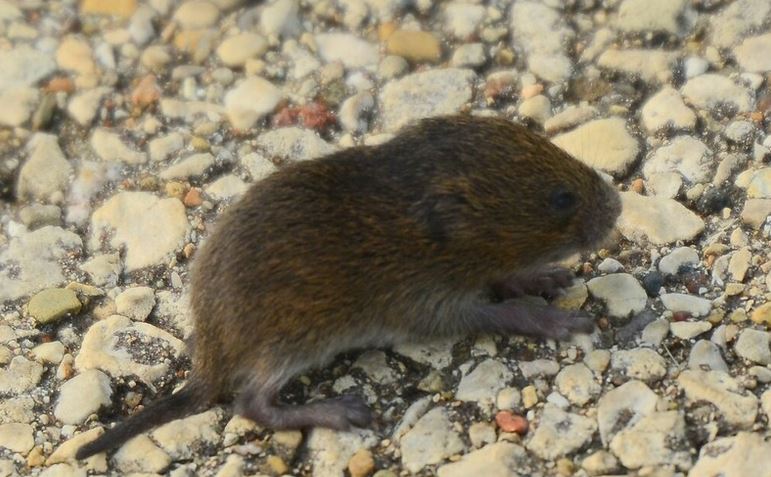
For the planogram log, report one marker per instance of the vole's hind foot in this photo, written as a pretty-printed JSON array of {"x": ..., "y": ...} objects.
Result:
[
  {"x": 532, "y": 320},
  {"x": 548, "y": 282},
  {"x": 340, "y": 413}
]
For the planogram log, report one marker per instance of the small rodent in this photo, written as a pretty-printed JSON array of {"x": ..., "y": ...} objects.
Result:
[{"x": 429, "y": 234}]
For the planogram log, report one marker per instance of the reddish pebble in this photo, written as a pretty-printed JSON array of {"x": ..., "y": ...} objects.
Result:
[
  {"x": 146, "y": 92},
  {"x": 60, "y": 83},
  {"x": 509, "y": 422},
  {"x": 316, "y": 115},
  {"x": 680, "y": 316},
  {"x": 193, "y": 198},
  {"x": 638, "y": 186},
  {"x": 287, "y": 116}
]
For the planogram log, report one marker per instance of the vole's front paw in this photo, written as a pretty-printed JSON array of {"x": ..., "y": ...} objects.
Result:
[{"x": 546, "y": 282}]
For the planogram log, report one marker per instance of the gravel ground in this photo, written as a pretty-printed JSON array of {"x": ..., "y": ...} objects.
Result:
[{"x": 127, "y": 126}]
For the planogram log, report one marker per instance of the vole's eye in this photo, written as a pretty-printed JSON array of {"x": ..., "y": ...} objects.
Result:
[{"x": 563, "y": 200}]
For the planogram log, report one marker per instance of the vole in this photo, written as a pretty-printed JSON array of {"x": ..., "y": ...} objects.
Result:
[{"x": 432, "y": 233}]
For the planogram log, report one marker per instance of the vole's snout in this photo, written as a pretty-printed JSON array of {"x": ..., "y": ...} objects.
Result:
[{"x": 600, "y": 218}]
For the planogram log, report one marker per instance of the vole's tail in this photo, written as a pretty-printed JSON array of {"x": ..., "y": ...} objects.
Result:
[{"x": 175, "y": 406}]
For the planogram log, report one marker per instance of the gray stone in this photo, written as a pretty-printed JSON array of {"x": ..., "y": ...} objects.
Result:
[
  {"x": 82, "y": 396},
  {"x": 560, "y": 433},
  {"x": 105, "y": 348},
  {"x": 280, "y": 18},
  {"x": 501, "y": 459},
  {"x": 753, "y": 345},
  {"x": 430, "y": 441},
  {"x": 705, "y": 356},
  {"x": 462, "y": 19},
  {"x": 375, "y": 365},
  {"x": 483, "y": 383},
  {"x": 24, "y": 66},
  {"x": 712, "y": 91},
  {"x": 436, "y": 353},
  {"x": 31, "y": 261},
  {"x": 686, "y": 155},
  {"x": 293, "y": 143},
  {"x": 576, "y": 382},
  {"x": 624, "y": 406},
  {"x": 538, "y": 367},
  {"x": 621, "y": 292},
  {"x": 655, "y": 332},
  {"x": 20, "y": 376},
  {"x": 469, "y": 55},
  {"x": 104, "y": 269},
  {"x": 656, "y": 439},
  {"x": 46, "y": 172},
  {"x": 542, "y": 34},
  {"x": 135, "y": 303},
  {"x": 657, "y": 220},
  {"x": 428, "y": 93},
  {"x": 639, "y": 363},
  {"x": 737, "y": 406},
  {"x": 694, "y": 305},
  {"x": 615, "y": 154},
  {"x": 679, "y": 257},
  {"x": 330, "y": 451},
  {"x": 164, "y": 227}
]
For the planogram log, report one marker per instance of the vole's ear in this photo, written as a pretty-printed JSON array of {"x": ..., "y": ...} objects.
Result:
[{"x": 440, "y": 215}]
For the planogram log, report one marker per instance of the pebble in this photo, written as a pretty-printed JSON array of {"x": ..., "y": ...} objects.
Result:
[
  {"x": 352, "y": 115},
  {"x": 482, "y": 433},
  {"x": 538, "y": 367},
  {"x": 483, "y": 383},
  {"x": 46, "y": 172},
  {"x": 109, "y": 147},
  {"x": 621, "y": 293},
  {"x": 635, "y": 16},
  {"x": 430, "y": 441},
  {"x": 84, "y": 106},
  {"x": 695, "y": 306},
  {"x": 677, "y": 258},
  {"x": 651, "y": 66},
  {"x": 711, "y": 91},
  {"x": 559, "y": 433},
  {"x": 414, "y": 46},
  {"x": 293, "y": 143},
  {"x": 624, "y": 406},
  {"x": 657, "y": 220},
  {"x": 49, "y": 353},
  {"x": 537, "y": 108},
  {"x": 752, "y": 53},
  {"x": 140, "y": 454},
  {"x": 361, "y": 464},
  {"x": 392, "y": 67},
  {"x": 17, "y": 437},
  {"x": 542, "y": 33},
  {"x": 250, "y": 100},
  {"x": 135, "y": 303},
  {"x": 706, "y": 354},
  {"x": 729, "y": 25},
  {"x": 415, "y": 96},
  {"x": 164, "y": 230},
  {"x": 20, "y": 376},
  {"x": 235, "y": 50},
  {"x": 639, "y": 363},
  {"x": 656, "y": 439},
  {"x": 183, "y": 438},
  {"x": 161, "y": 148},
  {"x": 753, "y": 345},
  {"x": 52, "y": 304},
  {"x": 19, "y": 102},
  {"x": 194, "y": 14},
  {"x": 104, "y": 269},
  {"x": 739, "y": 264},
  {"x": 102, "y": 349},
  {"x": 576, "y": 382},
  {"x": 762, "y": 315},
  {"x": 332, "y": 450},
  {"x": 375, "y": 365},
  {"x": 734, "y": 456},
  {"x": 470, "y": 55},
  {"x": 194, "y": 165},
  {"x": 24, "y": 66},
  {"x": 462, "y": 19},
  {"x": 348, "y": 49},
  {"x": 569, "y": 117},
  {"x": 280, "y": 18},
  {"x": 35, "y": 258},
  {"x": 686, "y": 330},
  {"x": 615, "y": 154},
  {"x": 760, "y": 184},
  {"x": 75, "y": 54},
  {"x": 655, "y": 332},
  {"x": 82, "y": 396},
  {"x": 34, "y": 216},
  {"x": 738, "y": 407},
  {"x": 436, "y": 353},
  {"x": 610, "y": 265},
  {"x": 685, "y": 155},
  {"x": 494, "y": 460},
  {"x": 226, "y": 187}
]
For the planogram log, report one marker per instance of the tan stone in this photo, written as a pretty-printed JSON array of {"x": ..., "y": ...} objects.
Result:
[
  {"x": 119, "y": 8},
  {"x": 415, "y": 46}
]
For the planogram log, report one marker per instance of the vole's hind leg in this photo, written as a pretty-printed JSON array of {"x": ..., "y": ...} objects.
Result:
[
  {"x": 548, "y": 282},
  {"x": 524, "y": 318},
  {"x": 340, "y": 413}
]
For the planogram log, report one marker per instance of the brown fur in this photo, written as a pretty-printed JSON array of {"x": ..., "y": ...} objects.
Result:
[{"x": 375, "y": 245}]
